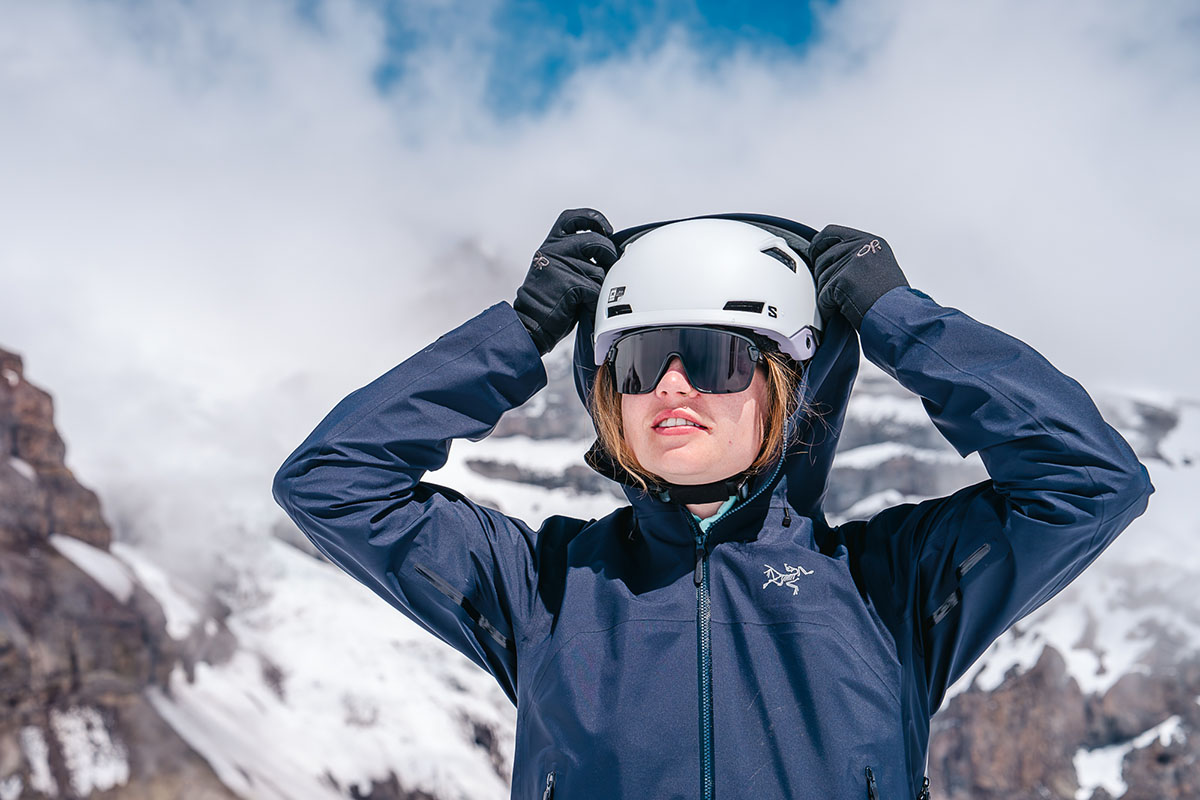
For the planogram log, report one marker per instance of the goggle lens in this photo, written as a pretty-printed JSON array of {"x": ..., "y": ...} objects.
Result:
[{"x": 715, "y": 361}]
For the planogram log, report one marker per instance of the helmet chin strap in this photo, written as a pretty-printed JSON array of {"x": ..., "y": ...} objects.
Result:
[{"x": 715, "y": 492}]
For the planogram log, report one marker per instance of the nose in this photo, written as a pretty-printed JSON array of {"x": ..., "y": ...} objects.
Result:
[{"x": 674, "y": 380}]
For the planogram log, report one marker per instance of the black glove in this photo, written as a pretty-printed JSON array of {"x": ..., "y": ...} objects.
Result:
[
  {"x": 852, "y": 269},
  {"x": 564, "y": 279}
]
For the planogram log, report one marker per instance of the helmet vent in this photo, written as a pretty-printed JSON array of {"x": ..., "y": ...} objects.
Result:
[
  {"x": 781, "y": 257},
  {"x": 616, "y": 311},
  {"x": 752, "y": 306}
]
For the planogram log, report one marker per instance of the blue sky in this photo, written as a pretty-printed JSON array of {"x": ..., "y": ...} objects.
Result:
[{"x": 535, "y": 45}]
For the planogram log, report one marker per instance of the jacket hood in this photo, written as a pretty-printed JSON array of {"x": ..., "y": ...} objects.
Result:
[{"x": 824, "y": 390}]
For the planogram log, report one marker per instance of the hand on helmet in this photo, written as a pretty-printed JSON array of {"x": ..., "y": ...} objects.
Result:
[
  {"x": 852, "y": 269},
  {"x": 565, "y": 276}
]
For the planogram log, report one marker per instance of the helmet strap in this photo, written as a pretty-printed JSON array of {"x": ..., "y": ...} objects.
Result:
[{"x": 717, "y": 491}]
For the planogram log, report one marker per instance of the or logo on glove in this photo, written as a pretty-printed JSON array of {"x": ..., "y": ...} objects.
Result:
[
  {"x": 565, "y": 275},
  {"x": 870, "y": 247},
  {"x": 853, "y": 269}
]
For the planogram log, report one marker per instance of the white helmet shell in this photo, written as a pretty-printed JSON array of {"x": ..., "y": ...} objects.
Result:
[{"x": 710, "y": 272}]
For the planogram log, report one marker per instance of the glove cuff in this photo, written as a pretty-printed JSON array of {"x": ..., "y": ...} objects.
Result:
[
  {"x": 863, "y": 293},
  {"x": 535, "y": 332}
]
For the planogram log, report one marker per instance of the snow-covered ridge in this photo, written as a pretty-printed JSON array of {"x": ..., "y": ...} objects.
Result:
[
  {"x": 1103, "y": 767},
  {"x": 23, "y": 468},
  {"x": 102, "y": 566},
  {"x": 1137, "y": 594},
  {"x": 872, "y": 456},
  {"x": 94, "y": 760},
  {"x": 37, "y": 754},
  {"x": 548, "y": 455},
  {"x": 180, "y": 611},
  {"x": 347, "y": 692},
  {"x": 873, "y": 408}
]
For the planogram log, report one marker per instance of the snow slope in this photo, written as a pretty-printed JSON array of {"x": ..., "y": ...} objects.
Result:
[{"x": 330, "y": 689}]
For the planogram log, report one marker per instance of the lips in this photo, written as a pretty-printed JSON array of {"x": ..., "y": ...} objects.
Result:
[{"x": 677, "y": 419}]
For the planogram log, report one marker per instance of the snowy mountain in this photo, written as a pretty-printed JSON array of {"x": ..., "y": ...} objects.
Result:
[
  {"x": 291, "y": 681},
  {"x": 1102, "y": 684}
]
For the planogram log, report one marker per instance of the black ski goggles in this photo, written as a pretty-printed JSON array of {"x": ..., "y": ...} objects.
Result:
[{"x": 715, "y": 361}]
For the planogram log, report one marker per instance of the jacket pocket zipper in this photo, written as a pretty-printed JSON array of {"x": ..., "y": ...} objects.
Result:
[
  {"x": 973, "y": 559},
  {"x": 548, "y": 794},
  {"x": 457, "y": 597},
  {"x": 872, "y": 789},
  {"x": 954, "y": 597}
]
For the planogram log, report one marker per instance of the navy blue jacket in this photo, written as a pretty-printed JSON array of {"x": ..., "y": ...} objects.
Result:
[{"x": 774, "y": 657}]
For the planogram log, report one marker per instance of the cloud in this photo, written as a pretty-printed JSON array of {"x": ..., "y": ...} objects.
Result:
[{"x": 216, "y": 222}]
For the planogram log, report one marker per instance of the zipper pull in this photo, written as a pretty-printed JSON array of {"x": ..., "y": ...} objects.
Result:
[
  {"x": 549, "y": 793},
  {"x": 787, "y": 518},
  {"x": 872, "y": 789},
  {"x": 699, "y": 576}
]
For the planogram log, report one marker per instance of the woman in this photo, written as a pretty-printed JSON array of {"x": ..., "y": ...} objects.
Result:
[{"x": 717, "y": 638}]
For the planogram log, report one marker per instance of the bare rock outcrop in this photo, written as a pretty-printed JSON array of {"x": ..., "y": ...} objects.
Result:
[
  {"x": 999, "y": 744},
  {"x": 77, "y": 650}
]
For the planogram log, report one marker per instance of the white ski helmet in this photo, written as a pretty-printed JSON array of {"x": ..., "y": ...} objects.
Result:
[{"x": 716, "y": 272}]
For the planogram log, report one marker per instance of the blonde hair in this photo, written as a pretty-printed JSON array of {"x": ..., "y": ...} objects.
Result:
[{"x": 782, "y": 376}]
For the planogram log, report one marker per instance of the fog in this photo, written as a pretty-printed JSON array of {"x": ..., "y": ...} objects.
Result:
[{"x": 214, "y": 223}]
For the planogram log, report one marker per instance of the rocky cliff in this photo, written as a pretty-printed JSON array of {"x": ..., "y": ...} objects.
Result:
[{"x": 80, "y": 640}]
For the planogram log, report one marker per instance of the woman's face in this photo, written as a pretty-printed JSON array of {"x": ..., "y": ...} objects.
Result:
[{"x": 690, "y": 438}]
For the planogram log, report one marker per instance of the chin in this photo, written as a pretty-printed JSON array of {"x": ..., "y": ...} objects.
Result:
[
  {"x": 689, "y": 480},
  {"x": 691, "y": 474}
]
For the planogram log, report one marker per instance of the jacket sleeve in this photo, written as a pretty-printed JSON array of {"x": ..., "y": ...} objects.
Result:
[
  {"x": 354, "y": 487},
  {"x": 1063, "y": 484}
]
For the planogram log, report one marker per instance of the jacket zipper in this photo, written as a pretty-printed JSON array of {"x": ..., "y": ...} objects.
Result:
[
  {"x": 549, "y": 793},
  {"x": 704, "y": 662},
  {"x": 704, "y": 638}
]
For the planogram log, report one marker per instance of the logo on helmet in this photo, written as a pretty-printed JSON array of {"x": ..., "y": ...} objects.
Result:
[{"x": 616, "y": 293}]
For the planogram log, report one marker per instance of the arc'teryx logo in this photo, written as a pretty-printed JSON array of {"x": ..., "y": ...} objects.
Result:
[{"x": 788, "y": 577}]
